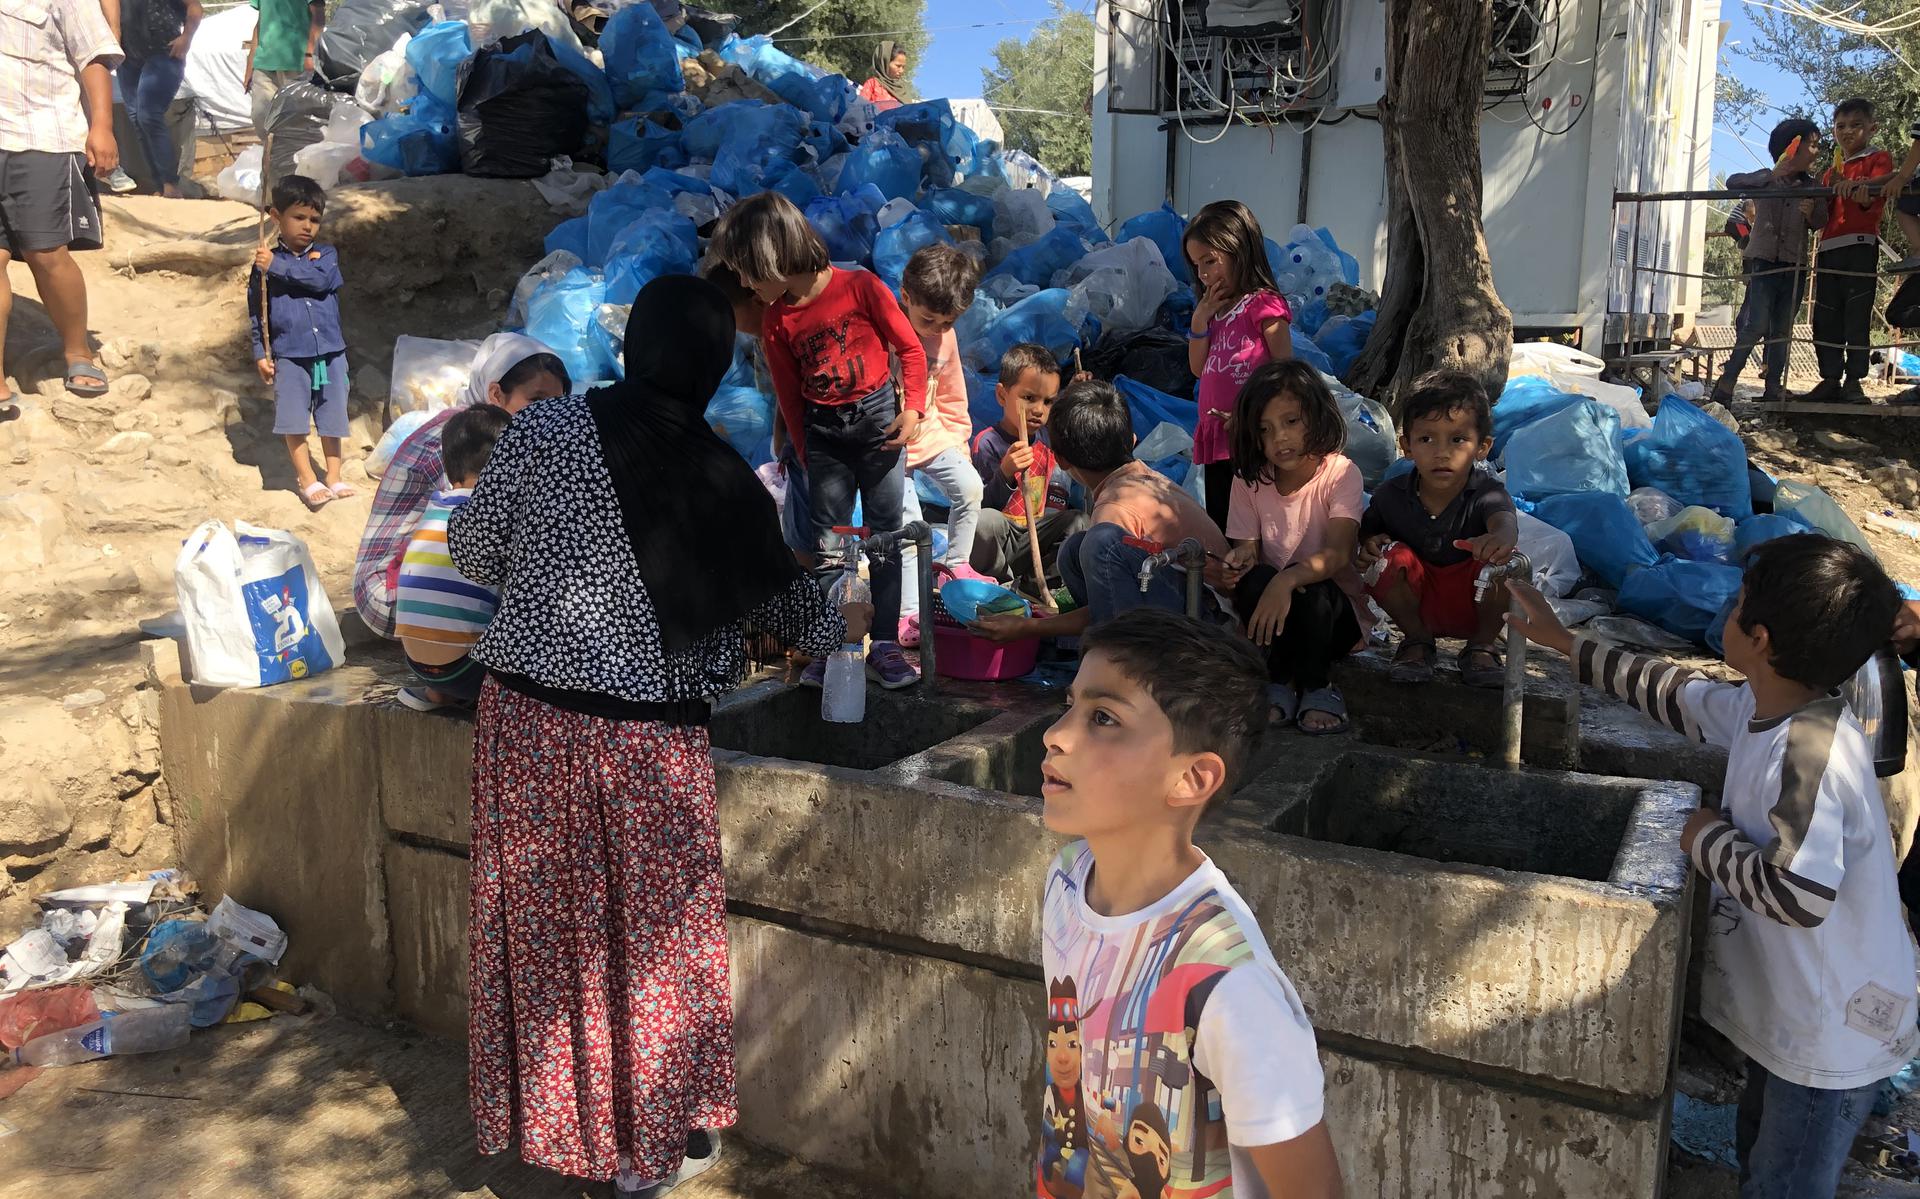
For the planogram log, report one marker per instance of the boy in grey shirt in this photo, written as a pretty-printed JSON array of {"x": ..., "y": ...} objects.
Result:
[{"x": 1775, "y": 257}]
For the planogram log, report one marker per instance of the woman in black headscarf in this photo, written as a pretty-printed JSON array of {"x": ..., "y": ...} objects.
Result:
[
  {"x": 887, "y": 87},
  {"x": 629, "y": 543}
]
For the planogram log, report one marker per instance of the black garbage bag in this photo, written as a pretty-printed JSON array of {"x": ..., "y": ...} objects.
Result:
[
  {"x": 519, "y": 109},
  {"x": 1903, "y": 311},
  {"x": 360, "y": 31},
  {"x": 713, "y": 27},
  {"x": 1156, "y": 357},
  {"x": 296, "y": 119}
]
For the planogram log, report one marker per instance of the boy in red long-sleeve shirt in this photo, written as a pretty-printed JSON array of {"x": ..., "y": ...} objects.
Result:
[
  {"x": 827, "y": 336},
  {"x": 1849, "y": 255}
]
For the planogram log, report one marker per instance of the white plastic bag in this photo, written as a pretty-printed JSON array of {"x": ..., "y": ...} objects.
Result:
[
  {"x": 388, "y": 82},
  {"x": 568, "y": 191},
  {"x": 1556, "y": 568},
  {"x": 240, "y": 180},
  {"x": 552, "y": 266},
  {"x": 1021, "y": 216},
  {"x": 1371, "y": 444},
  {"x": 1125, "y": 284},
  {"x": 390, "y": 442},
  {"x": 428, "y": 374},
  {"x": 322, "y": 162},
  {"x": 254, "y": 610}
]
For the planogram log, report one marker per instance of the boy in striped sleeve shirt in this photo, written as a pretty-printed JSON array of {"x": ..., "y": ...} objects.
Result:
[
  {"x": 438, "y": 612},
  {"x": 1810, "y": 971}
]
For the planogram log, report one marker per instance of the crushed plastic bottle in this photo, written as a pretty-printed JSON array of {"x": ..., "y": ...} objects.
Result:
[
  {"x": 844, "y": 697},
  {"x": 114, "y": 1034}
]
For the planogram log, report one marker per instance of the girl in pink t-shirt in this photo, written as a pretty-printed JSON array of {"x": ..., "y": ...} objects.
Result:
[
  {"x": 1240, "y": 323},
  {"x": 1294, "y": 522}
]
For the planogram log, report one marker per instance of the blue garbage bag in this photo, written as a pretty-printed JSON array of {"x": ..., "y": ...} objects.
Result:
[
  {"x": 600, "y": 105},
  {"x": 1176, "y": 312},
  {"x": 847, "y": 222},
  {"x": 745, "y": 418},
  {"x": 1312, "y": 355},
  {"x": 421, "y": 141},
  {"x": 614, "y": 209},
  {"x": 885, "y": 161},
  {"x": 742, "y": 121},
  {"x": 435, "y": 54},
  {"x": 1039, "y": 262},
  {"x": 1167, "y": 228},
  {"x": 1349, "y": 265},
  {"x": 1341, "y": 338},
  {"x": 825, "y": 96},
  {"x": 661, "y": 242},
  {"x": 1149, "y": 409},
  {"x": 569, "y": 235},
  {"x": 638, "y": 144},
  {"x": 825, "y": 140},
  {"x": 1682, "y": 597},
  {"x": 743, "y": 165},
  {"x": 898, "y": 243},
  {"x": 954, "y": 206},
  {"x": 1765, "y": 527},
  {"x": 794, "y": 182},
  {"x": 1041, "y": 318},
  {"x": 1693, "y": 458},
  {"x": 560, "y": 313},
  {"x": 639, "y": 55},
  {"x": 1071, "y": 210},
  {"x": 983, "y": 401},
  {"x": 1607, "y": 536},
  {"x": 1575, "y": 449},
  {"x": 1311, "y": 317},
  {"x": 951, "y": 150},
  {"x": 1523, "y": 401}
]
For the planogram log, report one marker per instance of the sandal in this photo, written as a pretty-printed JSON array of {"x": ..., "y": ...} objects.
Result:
[
  {"x": 316, "y": 495},
  {"x": 82, "y": 369},
  {"x": 343, "y": 491},
  {"x": 9, "y": 406},
  {"x": 1480, "y": 666},
  {"x": 1285, "y": 700},
  {"x": 1412, "y": 663},
  {"x": 1327, "y": 702}
]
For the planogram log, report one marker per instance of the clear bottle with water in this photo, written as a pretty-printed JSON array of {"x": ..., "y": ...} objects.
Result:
[
  {"x": 1877, "y": 694},
  {"x": 843, "y": 699},
  {"x": 114, "y": 1034}
]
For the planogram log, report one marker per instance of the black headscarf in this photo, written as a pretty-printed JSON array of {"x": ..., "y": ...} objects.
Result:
[
  {"x": 883, "y": 54},
  {"x": 704, "y": 530}
]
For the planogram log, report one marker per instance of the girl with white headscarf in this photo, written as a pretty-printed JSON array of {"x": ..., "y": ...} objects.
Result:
[{"x": 510, "y": 370}]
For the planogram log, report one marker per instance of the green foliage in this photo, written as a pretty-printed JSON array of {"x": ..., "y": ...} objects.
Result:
[
  {"x": 820, "y": 37},
  {"x": 1052, "y": 71}
]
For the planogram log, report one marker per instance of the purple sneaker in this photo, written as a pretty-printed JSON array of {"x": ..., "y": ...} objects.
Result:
[
  {"x": 815, "y": 675},
  {"x": 887, "y": 665}
]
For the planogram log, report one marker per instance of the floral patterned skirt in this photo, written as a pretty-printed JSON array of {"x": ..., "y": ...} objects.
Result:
[{"x": 601, "y": 1019}]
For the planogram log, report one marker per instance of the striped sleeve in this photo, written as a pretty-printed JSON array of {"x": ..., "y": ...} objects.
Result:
[{"x": 1683, "y": 700}]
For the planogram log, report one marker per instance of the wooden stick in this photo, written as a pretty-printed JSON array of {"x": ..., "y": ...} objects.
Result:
[
  {"x": 260, "y": 243},
  {"x": 1033, "y": 528}
]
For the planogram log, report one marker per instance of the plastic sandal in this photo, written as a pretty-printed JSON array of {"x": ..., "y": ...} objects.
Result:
[
  {"x": 316, "y": 495},
  {"x": 1328, "y": 702},
  {"x": 343, "y": 491},
  {"x": 1480, "y": 666},
  {"x": 1285, "y": 701},
  {"x": 1412, "y": 663},
  {"x": 82, "y": 369}
]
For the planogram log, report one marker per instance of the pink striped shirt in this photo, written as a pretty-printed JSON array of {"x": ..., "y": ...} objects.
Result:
[{"x": 44, "y": 44}]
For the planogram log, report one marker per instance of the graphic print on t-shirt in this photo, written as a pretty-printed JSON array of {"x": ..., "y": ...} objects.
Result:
[
  {"x": 825, "y": 363},
  {"x": 1144, "y": 1121}
]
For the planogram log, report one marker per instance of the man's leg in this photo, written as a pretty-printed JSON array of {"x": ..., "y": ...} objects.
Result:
[
  {"x": 159, "y": 78},
  {"x": 63, "y": 290},
  {"x": 182, "y": 132},
  {"x": 1829, "y": 305},
  {"x": 1783, "y": 301},
  {"x": 1747, "y": 329},
  {"x": 266, "y": 85}
]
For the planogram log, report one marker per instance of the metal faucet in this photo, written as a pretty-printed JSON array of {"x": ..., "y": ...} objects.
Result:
[
  {"x": 1514, "y": 689},
  {"x": 921, "y": 536},
  {"x": 1189, "y": 554}
]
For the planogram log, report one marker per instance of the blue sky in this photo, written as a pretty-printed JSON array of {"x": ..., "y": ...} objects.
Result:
[{"x": 952, "y": 64}]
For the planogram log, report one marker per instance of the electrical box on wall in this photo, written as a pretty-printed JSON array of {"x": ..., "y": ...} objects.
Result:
[
  {"x": 1360, "y": 74},
  {"x": 1133, "y": 56},
  {"x": 1245, "y": 57}
]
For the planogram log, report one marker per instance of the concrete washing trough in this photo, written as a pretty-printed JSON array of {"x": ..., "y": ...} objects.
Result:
[{"x": 1494, "y": 962}]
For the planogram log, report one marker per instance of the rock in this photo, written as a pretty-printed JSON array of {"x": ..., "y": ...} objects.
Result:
[
  {"x": 92, "y": 697},
  {"x": 94, "y": 824},
  {"x": 196, "y": 421},
  {"x": 170, "y": 455},
  {"x": 132, "y": 388},
  {"x": 147, "y": 357},
  {"x": 156, "y": 506},
  {"x": 31, "y": 527},
  {"x": 133, "y": 444},
  {"x": 219, "y": 399},
  {"x": 124, "y": 421},
  {"x": 1899, "y": 483},
  {"x": 364, "y": 433},
  {"x": 85, "y": 410},
  {"x": 355, "y": 471},
  {"x": 116, "y": 355},
  {"x": 372, "y": 383},
  {"x": 1718, "y": 411},
  {"x": 1772, "y": 441},
  {"x": 137, "y": 818},
  {"x": 146, "y": 418},
  {"x": 34, "y": 815},
  {"x": 1839, "y": 443}
]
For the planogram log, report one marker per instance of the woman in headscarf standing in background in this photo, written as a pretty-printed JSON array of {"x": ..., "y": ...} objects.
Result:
[
  {"x": 888, "y": 86},
  {"x": 629, "y": 543}
]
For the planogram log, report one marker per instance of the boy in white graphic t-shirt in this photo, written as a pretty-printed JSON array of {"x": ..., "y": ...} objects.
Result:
[
  {"x": 1810, "y": 971},
  {"x": 1179, "y": 1059}
]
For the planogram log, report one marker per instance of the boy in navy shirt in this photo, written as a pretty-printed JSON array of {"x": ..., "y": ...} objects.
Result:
[{"x": 306, "y": 361}]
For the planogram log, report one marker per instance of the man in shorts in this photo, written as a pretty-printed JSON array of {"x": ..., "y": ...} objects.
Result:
[
  {"x": 281, "y": 51},
  {"x": 56, "y": 133}
]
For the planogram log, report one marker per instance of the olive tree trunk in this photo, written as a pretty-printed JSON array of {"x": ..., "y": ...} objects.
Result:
[{"x": 1438, "y": 308}]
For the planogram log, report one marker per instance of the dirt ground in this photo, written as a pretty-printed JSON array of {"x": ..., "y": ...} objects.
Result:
[{"x": 303, "y": 1108}]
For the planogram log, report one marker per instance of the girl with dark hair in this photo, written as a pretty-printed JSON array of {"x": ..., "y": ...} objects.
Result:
[
  {"x": 1294, "y": 521},
  {"x": 1241, "y": 322},
  {"x": 630, "y": 544}
]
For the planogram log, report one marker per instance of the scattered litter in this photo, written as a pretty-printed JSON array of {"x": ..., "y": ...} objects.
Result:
[{"x": 1705, "y": 1130}]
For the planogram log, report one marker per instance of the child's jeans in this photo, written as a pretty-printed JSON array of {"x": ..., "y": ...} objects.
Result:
[
  {"x": 1102, "y": 573},
  {"x": 1793, "y": 1140},
  {"x": 796, "y": 510},
  {"x": 1321, "y": 629},
  {"x": 1843, "y": 283},
  {"x": 1773, "y": 296},
  {"x": 953, "y": 473},
  {"x": 847, "y": 455}
]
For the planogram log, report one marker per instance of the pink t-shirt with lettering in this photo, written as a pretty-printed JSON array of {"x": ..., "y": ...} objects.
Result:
[
  {"x": 1292, "y": 527},
  {"x": 1235, "y": 349}
]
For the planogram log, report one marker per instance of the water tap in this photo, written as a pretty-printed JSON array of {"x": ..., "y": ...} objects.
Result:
[
  {"x": 1153, "y": 562},
  {"x": 1517, "y": 566}
]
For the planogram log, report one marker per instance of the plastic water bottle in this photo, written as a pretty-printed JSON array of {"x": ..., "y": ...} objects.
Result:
[
  {"x": 843, "y": 700},
  {"x": 114, "y": 1034},
  {"x": 1877, "y": 693}
]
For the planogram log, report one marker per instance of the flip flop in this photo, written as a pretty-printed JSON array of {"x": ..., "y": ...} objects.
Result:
[
  {"x": 1285, "y": 701},
  {"x": 82, "y": 369},
  {"x": 9, "y": 405},
  {"x": 316, "y": 496},
  {"x": 1327, "y": 702},
  {"x": 1412, "y": 663},
  {"x": 343, "y": 491},
  {"x": 1480, "y": 666}
]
